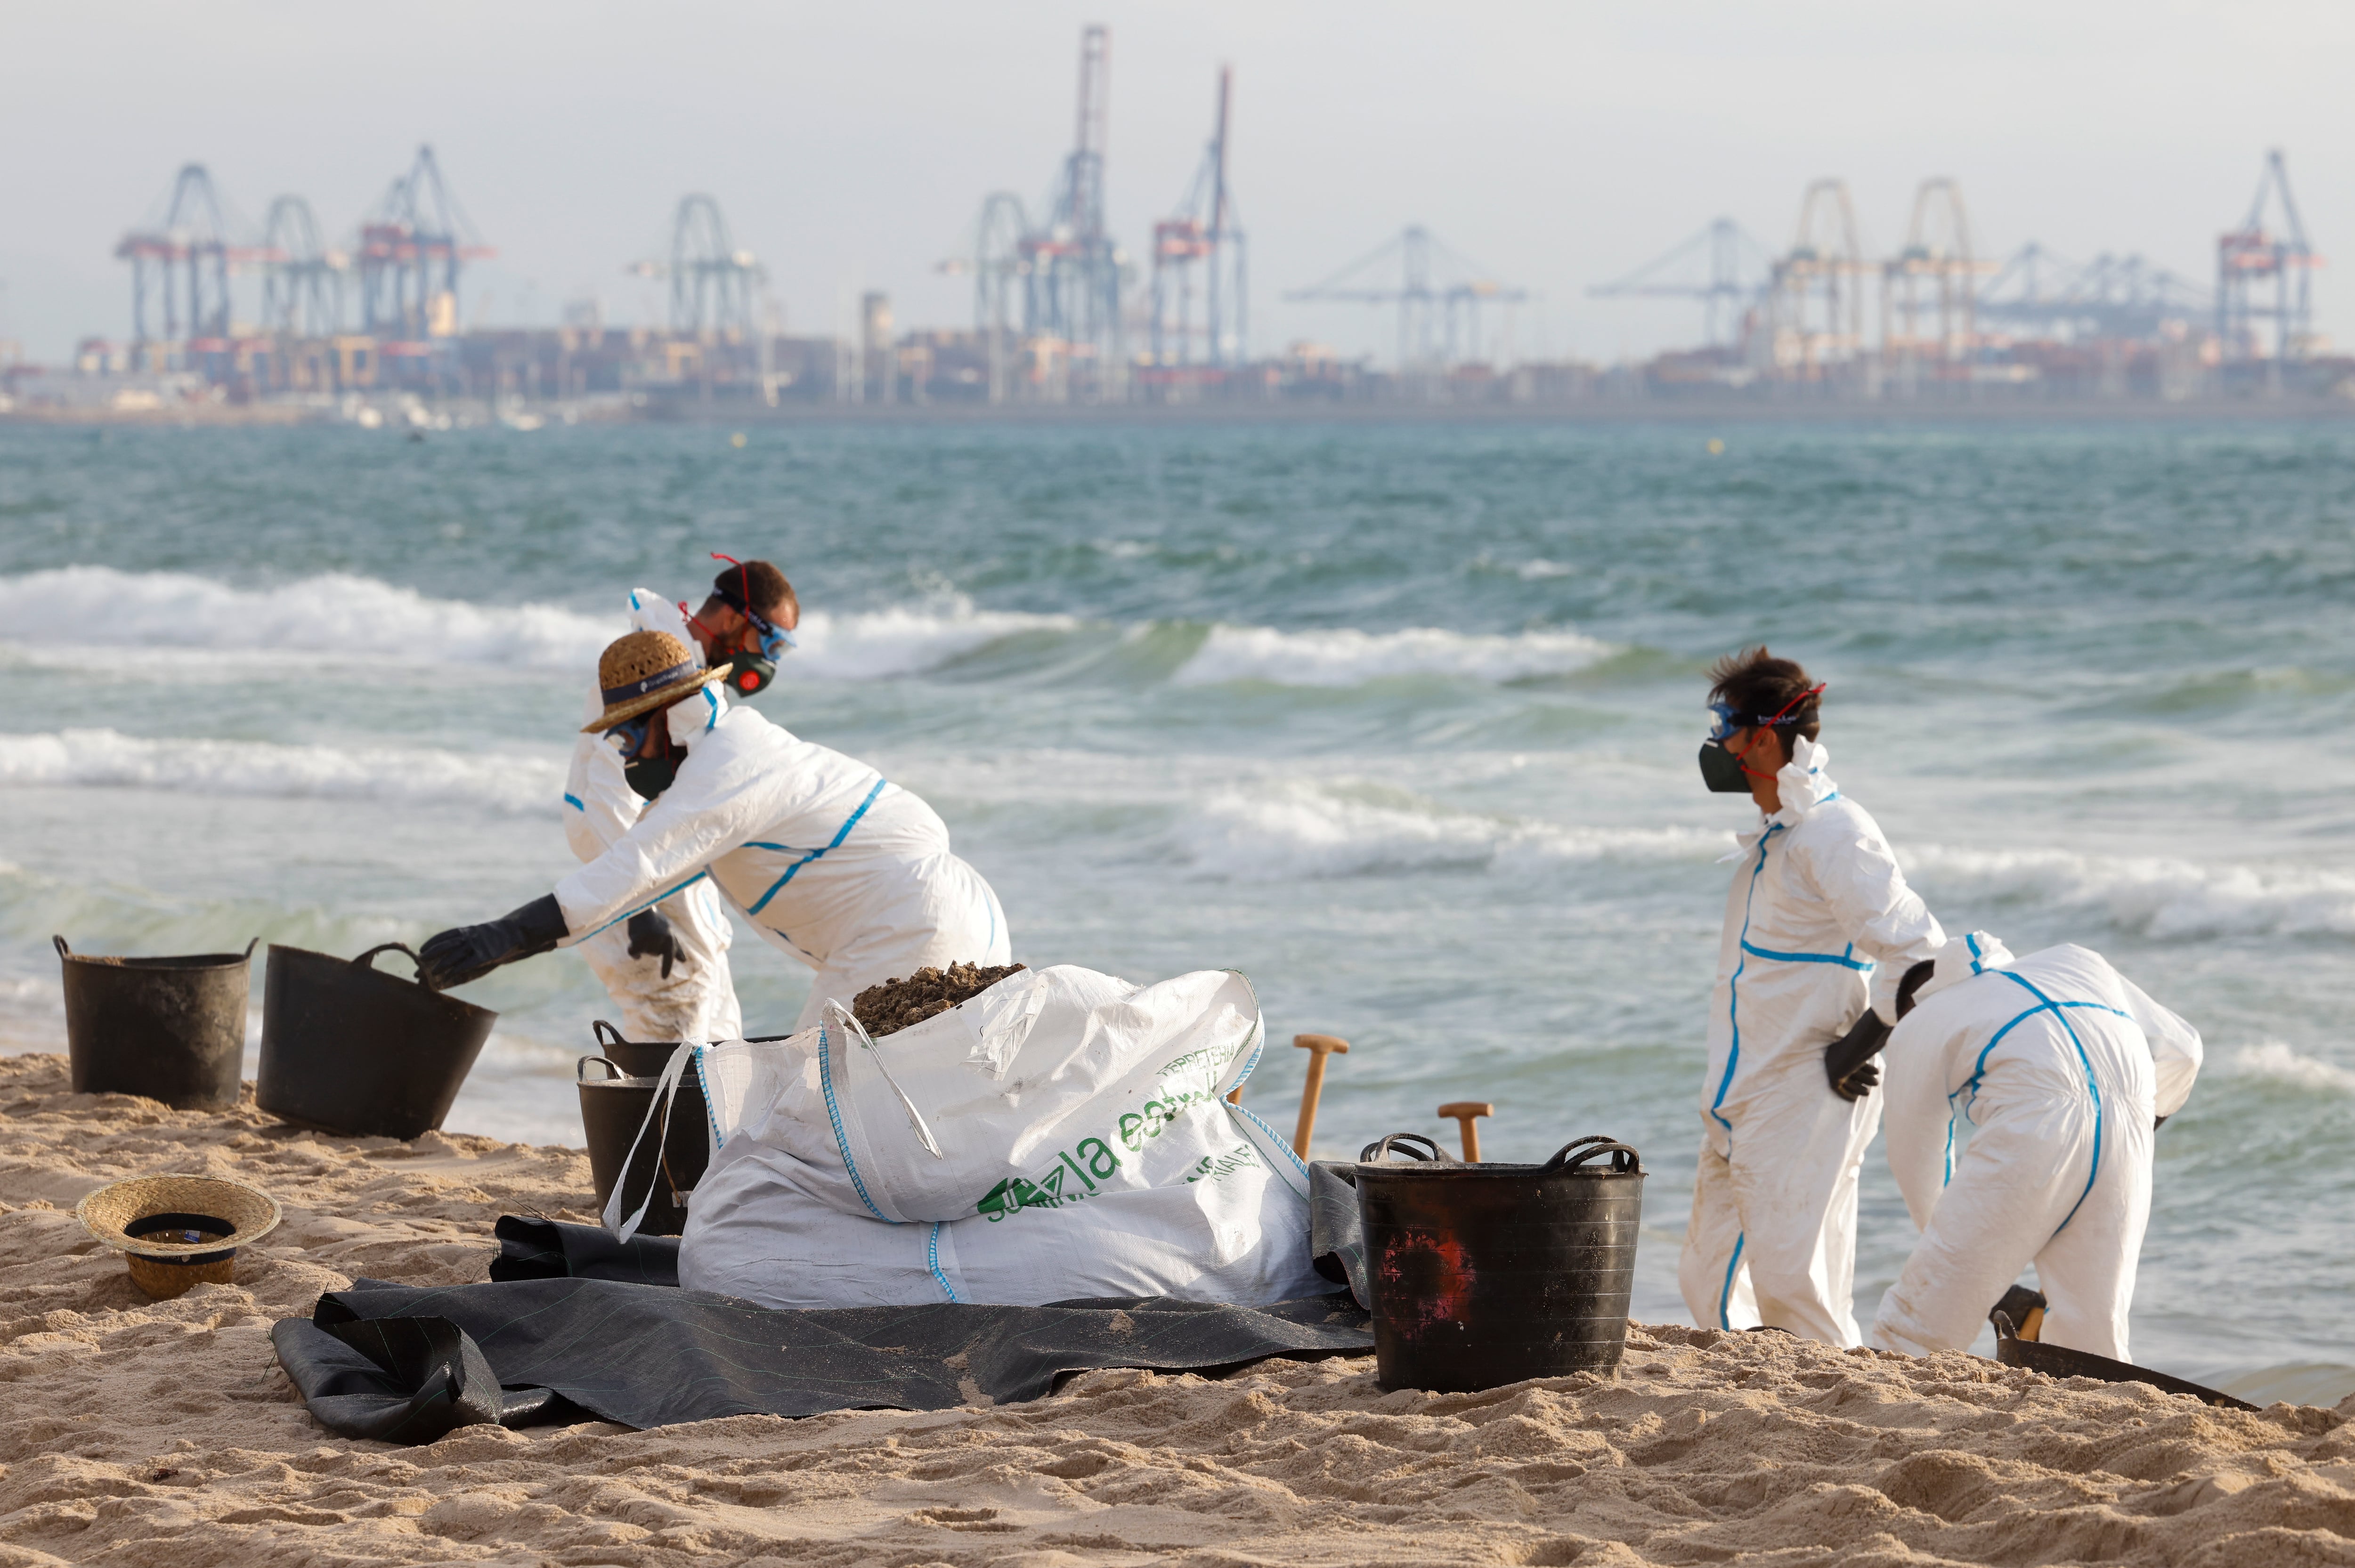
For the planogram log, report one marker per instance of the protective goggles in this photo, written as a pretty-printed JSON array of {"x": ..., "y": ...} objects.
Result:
[
  {"x": 774, "y": 639},
  {"x": 1728, "y": 720}
]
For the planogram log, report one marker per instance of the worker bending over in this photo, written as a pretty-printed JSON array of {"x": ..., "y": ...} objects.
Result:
[
  {"x": 847, "y": 872},
  {"x": 1819, "y": 928},
  {"x": 2062, "y": 1069}
]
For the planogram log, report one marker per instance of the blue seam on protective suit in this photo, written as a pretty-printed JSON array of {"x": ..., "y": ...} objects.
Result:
[
  {"x": 1725, "y": 1297},
  {"x": 1733, "y": 989},
  {"x": 1859, "y": 965},
  {"x": 1979, "y": 1068},
  {"x": 1972, "y": 941},
  {"x": 574, "y": 802},
  {"x": 713, "y": 704},
  {"x": 840, "y": 834},
  {"x": 1949, "y": 1180},
  {"x": 834, "y": 1114},
  {"x": 642, "y": 908},
  {"x": 933, "y": 1261},
  {"x": 2094, "y": 1170}
]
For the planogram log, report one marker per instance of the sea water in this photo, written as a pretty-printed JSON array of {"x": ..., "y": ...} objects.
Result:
[{"x": 1398, "y": 718}]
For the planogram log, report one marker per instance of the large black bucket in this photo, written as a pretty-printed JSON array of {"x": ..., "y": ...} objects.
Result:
[
  {"x": 669, "y": 1160},
  {"x": 1489, "y": 1274},
  {"x": 348, "y": 1049},
  {"x": 170, "y": 1029}
]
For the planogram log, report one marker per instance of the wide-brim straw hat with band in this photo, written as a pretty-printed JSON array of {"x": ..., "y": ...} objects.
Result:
[
  {"x": 222, "y": 1214},
  {"x": 643, "y": 670}
]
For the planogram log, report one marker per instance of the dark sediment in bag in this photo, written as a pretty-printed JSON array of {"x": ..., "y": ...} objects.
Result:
[{"x": 896, "y": 1003}]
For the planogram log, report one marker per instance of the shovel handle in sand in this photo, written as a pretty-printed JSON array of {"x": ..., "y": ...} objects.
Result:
[
  {"x": 1322, "y": 1046},
  {"x": 1467, "y": 1114}
]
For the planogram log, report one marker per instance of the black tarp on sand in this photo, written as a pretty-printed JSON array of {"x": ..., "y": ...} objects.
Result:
[{"x": 407, "y": 1363}]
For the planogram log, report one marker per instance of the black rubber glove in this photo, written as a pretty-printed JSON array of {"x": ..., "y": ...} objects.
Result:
[
  {"x": 469, "y": 952},
  {"x": 650, "y": 934},
  {"x": 1849, "y": 1060}
]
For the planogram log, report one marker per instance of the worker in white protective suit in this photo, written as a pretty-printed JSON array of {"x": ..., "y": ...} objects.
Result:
[
  {"x": 2061, "y": 1069},
  {"x": 667, "y": 968},
  {"x": 827, "y": 860},
  {"x": 1819, "y": 928}
]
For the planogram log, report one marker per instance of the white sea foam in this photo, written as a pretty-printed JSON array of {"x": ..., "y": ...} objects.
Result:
[
  {"x": 1294, "y": 830},
  {"x": 2165, "y": 898},
  {"x": 76, "y": 608},
  {"x": 61, "y": 616},
  {"x": 875, "y": 645},
  {"x": 104, "y": 758},
  {"x": 2273, "y": 1060},
  {"x": 1341, "y": 657}
]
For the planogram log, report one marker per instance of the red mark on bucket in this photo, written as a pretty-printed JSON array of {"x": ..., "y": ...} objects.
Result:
[{"x": 1426, "y": 1279}]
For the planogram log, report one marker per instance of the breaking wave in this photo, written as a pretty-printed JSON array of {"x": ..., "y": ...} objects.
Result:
[
  {"x": 53, "y": 616},
  {"x": 58, "y": 617},
  {"x": 2161, "y": 898},
  {"x": 2283, "y": 1065},
  {"x": 1297, "y": 830},
  {"x": 105, "y": 757},
  {"x": 1341, "y": 657}
]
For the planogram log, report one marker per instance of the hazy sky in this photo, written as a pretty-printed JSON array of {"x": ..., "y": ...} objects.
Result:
[{"x": 1559, "y": 145}]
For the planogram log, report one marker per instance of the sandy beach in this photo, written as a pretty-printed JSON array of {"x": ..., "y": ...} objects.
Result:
[{"x": 145, "y": 1433}]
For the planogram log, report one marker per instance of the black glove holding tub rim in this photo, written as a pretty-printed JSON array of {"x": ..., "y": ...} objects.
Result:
[{"x": 466, "y": 953}]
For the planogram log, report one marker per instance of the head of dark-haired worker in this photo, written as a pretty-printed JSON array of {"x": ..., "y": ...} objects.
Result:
[
  {"x": 1764, "y": 707},
  {"x": 747, "y": 623}
]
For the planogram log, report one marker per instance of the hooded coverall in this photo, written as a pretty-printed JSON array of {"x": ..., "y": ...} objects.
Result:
[
  {"x": 827, "y": 861},
  {"x": 1819, "y": 924},
  {"x": 2059, "y": 1065},
  {"x": 698, "y": 1001}
]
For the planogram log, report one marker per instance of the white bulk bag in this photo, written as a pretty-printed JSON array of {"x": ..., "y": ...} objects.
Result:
[
  {"x": 761, "y": 1227},
  {"x": 1055, "y": 1082},
  {"x": 1062, "y": 1135}
]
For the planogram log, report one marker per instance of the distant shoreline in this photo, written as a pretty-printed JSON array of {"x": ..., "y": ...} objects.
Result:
[{"x": 747, "y": 416}]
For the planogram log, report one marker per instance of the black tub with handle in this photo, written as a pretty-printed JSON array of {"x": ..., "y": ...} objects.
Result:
[
  {"x": 669, "y": 1158},
  {"x": 348, "y": 1048},
  {"x": 170, "y": 1029},
  {"x": 1489, "y": 1274}
]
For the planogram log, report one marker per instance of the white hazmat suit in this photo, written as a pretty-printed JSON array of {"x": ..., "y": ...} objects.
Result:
[
  {"x": 849, "y": 874},
  {"x": 1819, "y": 924},
  {"x": 698, "y": 1001},
  {"x": 2058, "y": 1063}
]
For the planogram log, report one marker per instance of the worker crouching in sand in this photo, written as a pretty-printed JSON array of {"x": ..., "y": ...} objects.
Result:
[
  {"x": 828, "y": 861},
  {"x": 2061, "y": 1069}
]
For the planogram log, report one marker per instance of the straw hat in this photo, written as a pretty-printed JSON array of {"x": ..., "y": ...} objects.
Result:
[
  {"x": 164, "y": 1268},
  {"x": 643, "y": 671}
]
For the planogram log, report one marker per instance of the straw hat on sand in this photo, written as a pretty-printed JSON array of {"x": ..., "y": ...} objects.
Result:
[
  {"x": 646, "y": 670},
  {"x": 219, "y": 1213}
]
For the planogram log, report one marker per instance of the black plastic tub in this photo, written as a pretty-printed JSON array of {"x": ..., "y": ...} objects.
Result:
[
  {"x": 1489, "y": 1274},
  {"x": 170, "y": 1029},
  {"x": 347, "y": 1048},
  {"x": 669, "y": 1160}
]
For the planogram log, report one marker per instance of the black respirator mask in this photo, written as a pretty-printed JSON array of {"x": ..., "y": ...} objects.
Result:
[
  {"x": 648, "y": 776},
  {"x": 1721, "y": 770}
]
